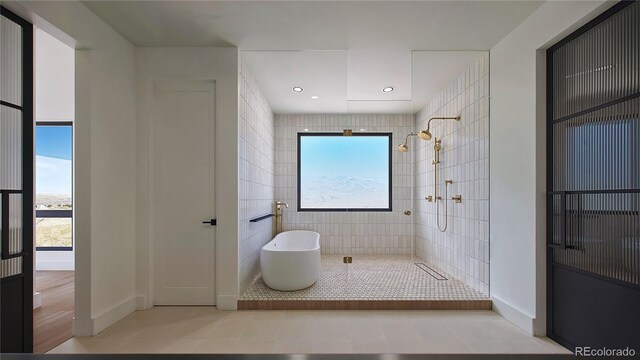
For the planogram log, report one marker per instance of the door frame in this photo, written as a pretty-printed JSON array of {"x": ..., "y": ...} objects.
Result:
[
  {"x": 27, "y": 177},
  {"x": 150, "y": 85},
  {"x": 549, "y": 163}
]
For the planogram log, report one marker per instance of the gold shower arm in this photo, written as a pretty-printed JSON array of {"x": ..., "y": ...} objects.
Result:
[
  {"x": 404, "y": 147},
  {"x": 426, "y": 134},
  {"x": 409, "y": 135},
  {"x": 456, "y": 118}
]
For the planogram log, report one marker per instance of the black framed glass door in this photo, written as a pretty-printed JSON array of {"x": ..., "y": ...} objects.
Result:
[
  {"x": 16, "y": 183},
  {"x": 593, "y": 208}
]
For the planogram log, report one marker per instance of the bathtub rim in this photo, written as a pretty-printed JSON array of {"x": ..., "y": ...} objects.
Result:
[{"x": 315, "y": 248}]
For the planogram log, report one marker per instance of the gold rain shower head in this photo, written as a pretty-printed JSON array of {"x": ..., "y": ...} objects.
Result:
[
  {"x": 405, "y": 147},
  {"x": 426, "y": 134}
]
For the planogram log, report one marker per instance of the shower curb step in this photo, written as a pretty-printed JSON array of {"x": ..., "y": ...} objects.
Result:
[{"x": 364, "y": 304}]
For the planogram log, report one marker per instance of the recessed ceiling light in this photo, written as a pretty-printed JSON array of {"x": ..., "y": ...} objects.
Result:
[
  {"x": 361, "y": 129},
  {"x": 388, "y": 89},
  {"x": 297, "y": 89},
  {"x": 306, "y": 129},
  {"x": 315, "y": 97}
]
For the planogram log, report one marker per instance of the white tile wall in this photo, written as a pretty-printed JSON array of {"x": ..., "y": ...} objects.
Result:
[
  {"x": 257, "y": 173},
  {"x": 340, "y": 232},
  {"x": 463, "y": 250}
]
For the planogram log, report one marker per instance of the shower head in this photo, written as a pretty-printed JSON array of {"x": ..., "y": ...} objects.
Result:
[
  {"x": 405, "y": 147},
  {"x": 426, "y": 134}
]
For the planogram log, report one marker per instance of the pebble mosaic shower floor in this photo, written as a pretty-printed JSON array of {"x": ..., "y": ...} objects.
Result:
[{"x": 369, "y": 277}]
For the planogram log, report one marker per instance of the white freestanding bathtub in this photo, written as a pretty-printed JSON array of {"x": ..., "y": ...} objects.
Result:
[{"x": 291, "y": 261}]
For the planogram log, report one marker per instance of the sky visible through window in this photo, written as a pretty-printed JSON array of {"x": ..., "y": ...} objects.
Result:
[
  {"x": 54, "y": 185},
  {"x": 344, "y": 172},
  {"x": 53, "y": 160}
]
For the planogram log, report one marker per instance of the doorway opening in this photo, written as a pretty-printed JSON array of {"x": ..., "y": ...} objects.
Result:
[{"x": 53, "y": 178}]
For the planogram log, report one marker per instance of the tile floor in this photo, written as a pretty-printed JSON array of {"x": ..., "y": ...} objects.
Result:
[
  {"x": 369, "y": 277},
  {"x": 207, "y": 330}
]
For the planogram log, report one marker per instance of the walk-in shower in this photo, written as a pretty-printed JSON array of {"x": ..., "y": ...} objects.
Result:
[{"x": 437, "y": 147}]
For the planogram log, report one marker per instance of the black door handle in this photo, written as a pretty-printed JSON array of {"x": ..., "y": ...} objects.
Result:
[{"x": 213, "y": 222}]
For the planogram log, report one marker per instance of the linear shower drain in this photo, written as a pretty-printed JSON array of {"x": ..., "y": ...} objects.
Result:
[{"x": 434, "y": 274}]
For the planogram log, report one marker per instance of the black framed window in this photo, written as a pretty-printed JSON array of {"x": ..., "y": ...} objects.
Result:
[
  {"x": 54, "y": 185},
  {"x": 344, "y": 173}
]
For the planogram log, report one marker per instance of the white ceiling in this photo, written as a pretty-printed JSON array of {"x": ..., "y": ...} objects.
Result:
[
  {"x": 369, "y": 71},
  {"x": 352, "y": 81},
  {"x": 316, "y": 25},
  {"x": 320, "y": 73},
  {"x": 344, "y": 52}
]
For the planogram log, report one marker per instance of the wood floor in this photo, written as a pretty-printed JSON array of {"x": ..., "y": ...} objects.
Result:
[{"x": 52, "y": 322}]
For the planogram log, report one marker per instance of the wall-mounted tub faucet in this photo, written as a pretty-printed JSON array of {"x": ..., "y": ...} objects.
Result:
[{"x": 279, "y": 205}]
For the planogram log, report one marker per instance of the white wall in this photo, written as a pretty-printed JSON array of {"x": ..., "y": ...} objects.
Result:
[
  {"x": 54, "y": 78},
  {"x": 220, "y": 65},
  {"x": 54, "y": 81},
  {"x": 517, "y": 160},
  {"x": 105, "y": 160},
  {"x": 257, "y": 173},
  {"x": 463, "y": 249},
  {"x": 353, "y": 232}
]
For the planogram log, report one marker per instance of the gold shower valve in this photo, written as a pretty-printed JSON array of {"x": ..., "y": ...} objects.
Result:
[
  {"x": 457, "y": 198},
  {"x": 429, "y": 198}
]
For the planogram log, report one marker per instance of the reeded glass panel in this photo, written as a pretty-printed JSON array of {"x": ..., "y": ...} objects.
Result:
[
  {"x": 10, "y": 267},
  {"x": 10, "y": 148},
  {"x": 54, "y": 232},
  {"x": 15, "y": 223},
  {"x": 596, "y": 149},
  {"x": 598, "y": 66},
  {"x": 602, "y": 235},
  {"x": 10, "y": 61}
]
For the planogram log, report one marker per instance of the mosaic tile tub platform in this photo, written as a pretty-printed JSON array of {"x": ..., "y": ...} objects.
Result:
[{"x": 388, "y": 282}]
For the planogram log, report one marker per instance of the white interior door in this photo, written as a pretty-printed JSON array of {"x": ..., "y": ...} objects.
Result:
[{"x": 183, "y": 192}]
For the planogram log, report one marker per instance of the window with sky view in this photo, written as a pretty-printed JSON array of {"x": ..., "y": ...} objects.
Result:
[
  {"x": 53, "y": 182},
  {"x": 344, "y": 172}
]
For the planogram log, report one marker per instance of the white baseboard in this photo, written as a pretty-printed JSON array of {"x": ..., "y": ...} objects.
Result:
[
  {"x": 516, "y": 316},
  {"x": 55, "y": 265},
  {"x": 142, "y": 303},
  {"x": 115, "y": 314},
  {"x": 227, "y": 302},
  {"x": 37, "y": 300},
  {"x": 82, "y": 328}
]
